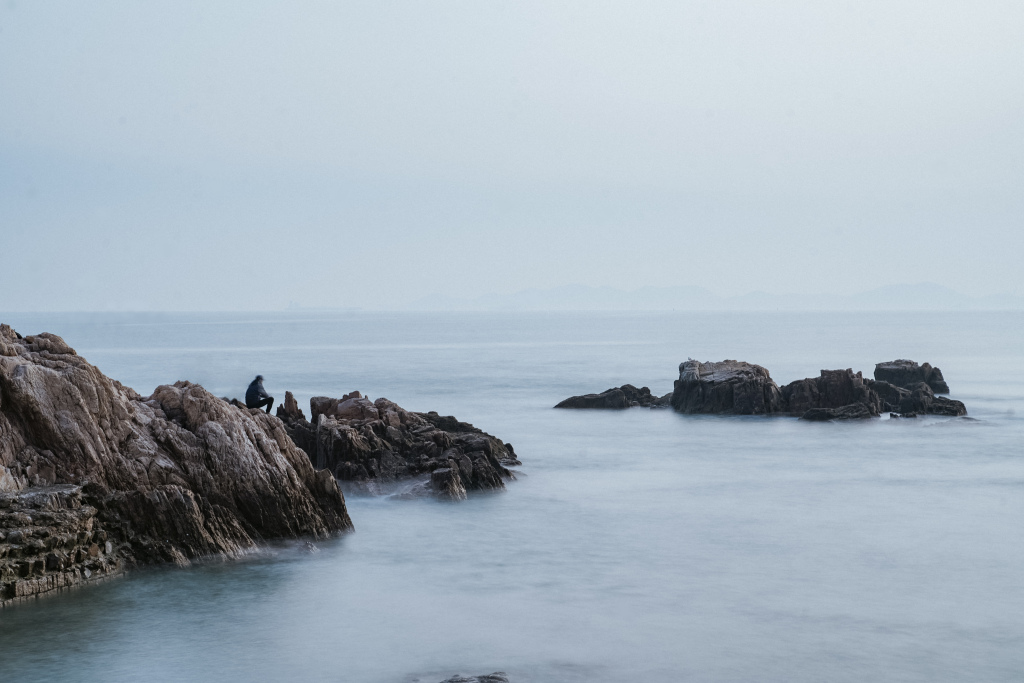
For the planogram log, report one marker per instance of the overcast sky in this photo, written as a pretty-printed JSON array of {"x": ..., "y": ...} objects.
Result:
[{"x": 244, "y": 155}]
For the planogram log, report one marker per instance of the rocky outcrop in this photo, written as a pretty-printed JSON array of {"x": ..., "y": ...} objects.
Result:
[
  {"x": 907, "y": 373},
  {"x": 626, "y": 396},
  {"x": 379, "y": 441},
  {"x": 921, "y": 400},
  {"x": 172, "y": 477},
  {"x": 831, "y": 390},
  {"x": 496, "y": 677},
  {"x": 728, "y": 387},
  {"x": 737, "y": 388}
]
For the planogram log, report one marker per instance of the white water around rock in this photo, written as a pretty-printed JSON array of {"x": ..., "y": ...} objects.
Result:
[{"x": 637, "y": 545}]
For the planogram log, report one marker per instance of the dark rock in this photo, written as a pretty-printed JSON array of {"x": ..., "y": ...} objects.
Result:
[
  {"x": 172, "y": 477},
  {"x": 832, "y": 389},
  {"x": 626, "y": 396},
  {"x": 947, "y": 406},
  {"x": 496, "y": 677},
  {"x": 907, "y": 373},
  {"x": 389, "y": 443},
  {"x": 922, "y": 400},
  {"x": 727, "y": 387},
  {"x": 854, "y": 411},
  {"x": 889, "y": 395}
]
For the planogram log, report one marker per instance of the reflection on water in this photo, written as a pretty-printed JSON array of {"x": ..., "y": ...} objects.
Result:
[{"x": 636, "y": 545}]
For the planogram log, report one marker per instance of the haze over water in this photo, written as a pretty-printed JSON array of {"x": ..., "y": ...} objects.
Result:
[{"x": 635, "y": 545}]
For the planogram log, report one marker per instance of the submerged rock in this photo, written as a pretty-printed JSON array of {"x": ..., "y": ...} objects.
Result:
[
  {"x": 626, "y": 396},
  {"x": 362, "y": 441},
  {"x": 496, "y": 677},
  {"x": 853, "y": 411},
  {"x": 907, "y": 373},
  {"x": 726, "y": 387},
  {"x": 172, "y": 477}
]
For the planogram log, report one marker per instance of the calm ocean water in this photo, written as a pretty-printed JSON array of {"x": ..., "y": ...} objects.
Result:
[{"x": 636, "y": 545}]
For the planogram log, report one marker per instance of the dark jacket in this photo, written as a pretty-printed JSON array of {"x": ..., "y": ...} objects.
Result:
[{"x": 255, "y": 393}]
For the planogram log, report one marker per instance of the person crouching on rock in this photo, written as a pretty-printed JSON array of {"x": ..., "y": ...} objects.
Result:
[{"x": 256, "y": 396}]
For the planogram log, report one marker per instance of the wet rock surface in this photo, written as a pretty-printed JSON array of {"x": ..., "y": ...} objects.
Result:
[
  {"x": 727, "y": 387},
  {"x": 363, "y": 442},
  {"x": 172, "y": 477},
  {"x": 626, "y": 396},
  {"x": 907, "y": 373},
  {"x": 496, "y": 677},
  {"x": 853, "y": 411}
]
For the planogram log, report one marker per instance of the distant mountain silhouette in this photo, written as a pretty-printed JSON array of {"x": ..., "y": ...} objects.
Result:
[{"x": 911, "y": 297}]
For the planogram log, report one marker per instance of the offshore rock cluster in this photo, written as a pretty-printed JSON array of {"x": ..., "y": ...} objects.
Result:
[{"x": 731, "y": 387}]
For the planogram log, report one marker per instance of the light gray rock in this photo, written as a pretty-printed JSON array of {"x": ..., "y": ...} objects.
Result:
[{"x": 171, "y": 477}]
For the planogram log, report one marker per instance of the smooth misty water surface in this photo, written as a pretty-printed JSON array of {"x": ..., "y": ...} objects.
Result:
[{"x": 636, "y": 546}]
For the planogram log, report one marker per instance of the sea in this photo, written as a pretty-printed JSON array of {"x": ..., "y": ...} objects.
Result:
[{"x": 634, "y": 545}]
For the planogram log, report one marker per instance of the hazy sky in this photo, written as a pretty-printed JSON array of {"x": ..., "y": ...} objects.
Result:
[{"x": 244, "y": 155}]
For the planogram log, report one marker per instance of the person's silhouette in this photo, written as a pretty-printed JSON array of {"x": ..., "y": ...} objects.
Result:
[{"x": 256, "y": 396}]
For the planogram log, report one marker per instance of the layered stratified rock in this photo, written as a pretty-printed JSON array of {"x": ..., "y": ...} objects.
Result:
[
  {"x": 728, "y": 387},
  {"x": 626, "y": 396},
  {"x": 831, "y": 390},
  {"x": 907, "y": 373},
  {"x": 169, "y": 478},
  {"x": 363, "y": 441}
]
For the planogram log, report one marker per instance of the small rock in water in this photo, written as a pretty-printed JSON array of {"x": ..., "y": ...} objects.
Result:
[
  {"x": 496, "y": 677},
  {"x": 310, "y": 547}
]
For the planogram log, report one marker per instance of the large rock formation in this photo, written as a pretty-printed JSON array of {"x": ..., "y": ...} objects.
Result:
[
  {"x": 738, "y": 388},
  {"x": 907, "y": 373},
  {"x": 363, "y": 441},
  {"x": 95, "y": 478},
  {"x": 626, "y": 396},
  {"x": 831, "y": 390},
  {"x": 728, "y": 387}
]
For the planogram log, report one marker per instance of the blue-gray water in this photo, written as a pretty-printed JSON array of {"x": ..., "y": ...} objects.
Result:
[{"x": 636, "y": 545}]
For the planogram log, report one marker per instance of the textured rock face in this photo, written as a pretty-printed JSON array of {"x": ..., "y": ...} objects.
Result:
[
  {"x": 51, "y": 540},
  {"x": 172, "y": 477},
  {"x": 362, "y": 441},
  {"x": 890, "y": 396},
  {"x": 832, "y": 389},
  {"x": 626, "y": 396},
  {"x": 728, "y": 387},
  {"x": 907, "y": 373},
  {"x": 921, "y": 400}
]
